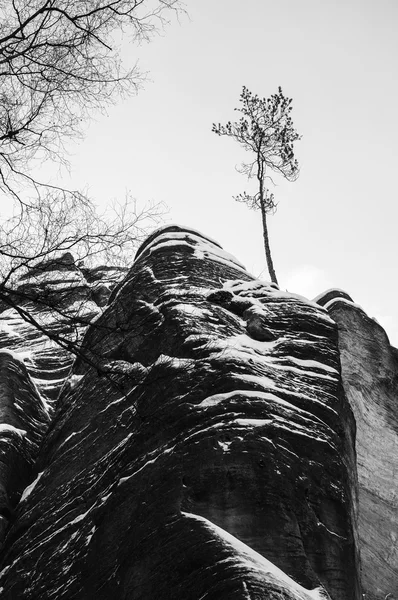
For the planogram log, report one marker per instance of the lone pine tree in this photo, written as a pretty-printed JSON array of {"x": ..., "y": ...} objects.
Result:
[{"x": 266, "y": 130}]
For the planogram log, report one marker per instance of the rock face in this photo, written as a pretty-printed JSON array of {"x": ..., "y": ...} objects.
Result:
[
  {"x": 24, "y": 418},
  {"x": 61, "y": 299},
  {"x": 370, "y": 378},
  {"x": 57, "y": 297},
  {"x": 202, "y": 446}
]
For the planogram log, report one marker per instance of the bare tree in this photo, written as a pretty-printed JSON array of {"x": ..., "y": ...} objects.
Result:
[
  {"x": 59, "y": 62},
  {"x": 58, "y": 232},
  {"x": 67, "y": 222},
  {"x": 265, "y": 129}
]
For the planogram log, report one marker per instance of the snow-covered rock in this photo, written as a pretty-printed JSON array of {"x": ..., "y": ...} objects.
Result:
[
  {"x": 24, "y": 418},
  {"x": 62, "y": 299},
  {"x": 53, "y": 299},
  {"x": 202, "y": 446}
]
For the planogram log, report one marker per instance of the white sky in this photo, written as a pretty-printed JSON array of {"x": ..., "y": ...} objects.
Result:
[{"x": 337, "y": 225}]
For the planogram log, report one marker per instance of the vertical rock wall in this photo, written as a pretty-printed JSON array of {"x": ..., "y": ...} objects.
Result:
[
  {"x": 204, "y": 448},
  {"x": 24, "y": 418},
  {"x": 370, "y": 377}
]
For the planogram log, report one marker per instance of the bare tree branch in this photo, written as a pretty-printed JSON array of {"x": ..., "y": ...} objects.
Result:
[{"x": 59, "y": 62}]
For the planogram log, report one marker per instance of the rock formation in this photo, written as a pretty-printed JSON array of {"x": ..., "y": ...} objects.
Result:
[
  {"x": 201, "y": 446},
  {"x": 370, "y": 377}
]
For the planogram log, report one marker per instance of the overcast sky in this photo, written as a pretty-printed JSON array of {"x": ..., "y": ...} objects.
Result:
[{"x": 337, "y": 225}]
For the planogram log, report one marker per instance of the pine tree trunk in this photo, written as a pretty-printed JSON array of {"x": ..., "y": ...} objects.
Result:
[{"x": 267, "y": 248}]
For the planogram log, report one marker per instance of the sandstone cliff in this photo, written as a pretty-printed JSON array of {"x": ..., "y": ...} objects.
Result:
[
  {"x": 370, "y": 378},
  {"x": 203, "y": 443}
]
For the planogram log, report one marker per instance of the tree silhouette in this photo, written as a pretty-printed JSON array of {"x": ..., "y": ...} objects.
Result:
[{"x": 266, "y": 130}]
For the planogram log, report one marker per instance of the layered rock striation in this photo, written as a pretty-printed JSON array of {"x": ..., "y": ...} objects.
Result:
[
  {"x": 24, "y": 418},
  {"x": 48, "y": 313},
  {"x": 370, "y": 379},
  {"x": 52, "y": 304},
  {"x": 201, "y": 447}
]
